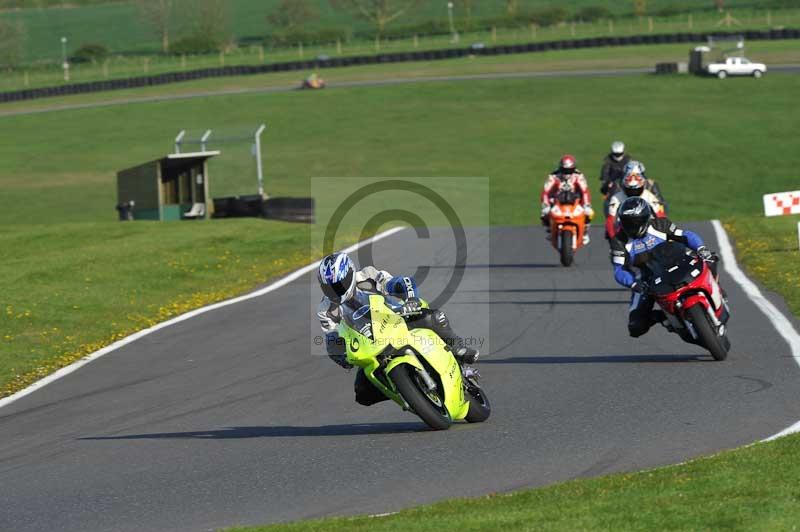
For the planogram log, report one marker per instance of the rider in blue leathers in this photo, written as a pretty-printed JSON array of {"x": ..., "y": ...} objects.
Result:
[{"x": 639, "y": 233}]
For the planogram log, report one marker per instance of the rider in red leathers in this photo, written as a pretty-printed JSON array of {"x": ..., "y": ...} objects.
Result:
[{"x": 568, "y": 178}]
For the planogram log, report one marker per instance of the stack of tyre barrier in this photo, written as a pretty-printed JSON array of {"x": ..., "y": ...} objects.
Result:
[
  {"x": 666, "y": 68},
  {"x": 398, "y": 57},
  {"x": 289, "y": 209},
  {"x": 254, "y": 206}
]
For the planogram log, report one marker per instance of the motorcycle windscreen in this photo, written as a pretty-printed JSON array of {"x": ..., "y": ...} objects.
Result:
[{"x": 673, "y": 266}]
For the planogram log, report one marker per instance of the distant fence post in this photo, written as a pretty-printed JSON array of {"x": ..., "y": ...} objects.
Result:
[
  {"x": 572, "y": 29},
  {"x": 650, "y": 24},
  {"x": 691, "y": 22},
  {"x": 416, "y": 41},
  {"x": 105, "y": 69},
  {"x": 377, "y": 43},
  {"x": 183, "y": 61},
  {"x": 533, "y": 30},
  {"x": 769, "y": 17},
  {"x": 261, "y": 53},
  {"x": 146, "y": 65},
  {"x": 494, "y": 34},
  {"x": 222, "y": 58},
  {"x": 300, "y": 49},
  {"x": 611, "y": 25},
  {"x": 339, "y": 46},
  {"x": 27, "y": 79}
]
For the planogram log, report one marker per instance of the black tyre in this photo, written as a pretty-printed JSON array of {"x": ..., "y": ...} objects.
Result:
[
  {"x": 707, "y": 333},
  {"x": 566, "y": 248},
  {"x": 479, "y": 407},
  {"x": 429, "y": 407}
]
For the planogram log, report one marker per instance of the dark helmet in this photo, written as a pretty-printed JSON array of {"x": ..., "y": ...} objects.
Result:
[
  {"x": 337, "y": 277},
  {"x": 634, "y": 216}
]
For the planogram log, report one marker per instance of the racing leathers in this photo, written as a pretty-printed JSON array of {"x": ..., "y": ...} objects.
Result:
[
  {"x": 612, "y": 173},
  {"x": 370, "y": 280},
  {"x": 616, "y": 200},
  {"x": 573, "y": 183},
  {"x": 629, "y": 257}
]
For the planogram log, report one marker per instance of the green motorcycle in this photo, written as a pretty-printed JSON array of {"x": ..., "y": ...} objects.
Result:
[{"x": 414, "y": 368}]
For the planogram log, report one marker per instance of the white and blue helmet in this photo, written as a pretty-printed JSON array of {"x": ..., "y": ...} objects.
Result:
[
  {"x": 634, "y": 167},
  {"x": 337, "y": 277}
]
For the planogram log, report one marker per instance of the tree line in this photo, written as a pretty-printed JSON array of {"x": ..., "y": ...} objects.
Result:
[{"x": 202, "y": 26}]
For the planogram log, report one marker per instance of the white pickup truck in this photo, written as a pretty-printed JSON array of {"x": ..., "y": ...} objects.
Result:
[{"x": 737, "y": 66}]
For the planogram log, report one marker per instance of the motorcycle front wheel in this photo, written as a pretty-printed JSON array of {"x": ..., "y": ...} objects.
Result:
[
  {"x": 707, "y": 332},
  {"x": 566, "y": 248},
  {"x": 427, "y": 405}
]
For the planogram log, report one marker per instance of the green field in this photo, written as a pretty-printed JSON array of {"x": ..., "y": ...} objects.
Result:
[
  {"x": 135, "y": 49},
  {"x": 514, "y": 133},
  {"x": 771, "y": 52}
]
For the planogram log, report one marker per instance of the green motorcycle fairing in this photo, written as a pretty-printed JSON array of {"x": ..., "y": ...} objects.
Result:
[{"x": 375, "y": 329}]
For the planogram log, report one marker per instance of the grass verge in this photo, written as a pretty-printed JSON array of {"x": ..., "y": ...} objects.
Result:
[
  {"x": 754, "y": 488},
  {"x": 769, "y": 250},
  {"x": 70, "y": 289}
]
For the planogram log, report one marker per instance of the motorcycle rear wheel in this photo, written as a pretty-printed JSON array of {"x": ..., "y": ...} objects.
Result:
[
  {"x": 566, "y": 248},
  {"x": 435, "y": 416},
  {"x": 707, "y": 332}
]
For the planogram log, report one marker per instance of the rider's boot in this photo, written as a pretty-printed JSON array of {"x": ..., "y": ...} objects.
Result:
[
  {"x": 658, "y": 316},
  {"x": 466, "y": 355}
]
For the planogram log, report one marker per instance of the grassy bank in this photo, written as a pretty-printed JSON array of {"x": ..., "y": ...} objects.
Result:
[
  {"x": 69, "y": 289},
  {"x": 703, "y": 140},
  {"x": 753, "y": 488},
  {"x": 769, "y": 250}
]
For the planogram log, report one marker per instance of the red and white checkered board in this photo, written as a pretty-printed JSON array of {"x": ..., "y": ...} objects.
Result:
[{"x": 782, "y": 203}]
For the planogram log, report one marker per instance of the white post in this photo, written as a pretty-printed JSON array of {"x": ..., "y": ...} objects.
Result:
[
  {"x": 204, "y": 139},
  {"x": 178, "y": 140},
  {"x": 798, "y": 234},
  {"x": 259, "y": 166}
]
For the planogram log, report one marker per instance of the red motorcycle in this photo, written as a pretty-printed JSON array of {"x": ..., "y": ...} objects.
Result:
[{"x": 688, "y": 291}]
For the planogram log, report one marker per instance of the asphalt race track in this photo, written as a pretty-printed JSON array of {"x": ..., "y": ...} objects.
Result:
[{"x": 229, "y": 419}]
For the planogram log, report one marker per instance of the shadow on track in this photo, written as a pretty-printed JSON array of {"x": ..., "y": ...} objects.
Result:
[
  {"x": 232, "y": 433},
  {"x": 485, "y": 266},
  {"x": 547, "y": 303},
  {"x": 599, "y": 359},
  {"x": 547, "y": 290}
]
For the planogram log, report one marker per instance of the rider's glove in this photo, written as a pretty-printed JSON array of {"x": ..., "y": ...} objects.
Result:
[
  {"x": 411, "y": 307},
  {"x": 640, "y": 287},
  {"x": 589, "y": 210},
  {"x": 545, "y": 210},
  {"x": 704, "y": 253}
]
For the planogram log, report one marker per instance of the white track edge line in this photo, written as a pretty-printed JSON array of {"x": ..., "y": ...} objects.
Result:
[
  {"x": 66, "y": 370},
  {"x": 778, "y": 319}
]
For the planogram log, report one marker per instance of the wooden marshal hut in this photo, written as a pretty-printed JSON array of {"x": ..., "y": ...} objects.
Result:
[{"x": 174, "y": 187}]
